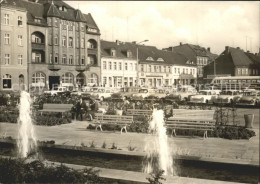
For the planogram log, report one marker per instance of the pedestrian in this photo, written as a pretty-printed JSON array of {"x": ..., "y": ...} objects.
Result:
[{"x": 81, "y": 108}]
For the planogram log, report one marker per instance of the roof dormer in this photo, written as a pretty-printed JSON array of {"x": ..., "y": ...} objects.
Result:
[
  {"x": 113, "y": 52},
  {"x": 149, "y": 59},
  {"x": 129, "y": 54},
  {"x": 160, "y": 59}
]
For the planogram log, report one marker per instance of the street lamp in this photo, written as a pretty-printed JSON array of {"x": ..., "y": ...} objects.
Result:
[{"x": 137, "y": 58}]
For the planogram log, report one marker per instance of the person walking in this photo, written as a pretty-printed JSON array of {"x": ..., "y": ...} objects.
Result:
[{"x": 81, "y": 108}]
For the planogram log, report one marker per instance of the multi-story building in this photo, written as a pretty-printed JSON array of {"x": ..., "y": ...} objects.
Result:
[
  {"x": 233, "y": 62},
  {"x": 195, "y": 54},
  {"x": 13, "y": 47},
  {"x": 131, "y": 64},
  {"x": 118, "y": 65},
  {"x": 158, "y": 68},
  {"x": 63, "y": 44}
]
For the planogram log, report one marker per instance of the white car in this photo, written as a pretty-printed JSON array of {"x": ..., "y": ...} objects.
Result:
[
  {"x": 228, "y": 97},
  {"x": 101, "y": 94},
  {"x": 204, "y": 96},
  {"x": 56, "y": 91},
  {"x": 142, "y": 93}
]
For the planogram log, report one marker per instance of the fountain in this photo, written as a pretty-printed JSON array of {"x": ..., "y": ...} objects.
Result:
[
  {"x": 26, "y": 137},
  {"x": 159, "y": 156}
]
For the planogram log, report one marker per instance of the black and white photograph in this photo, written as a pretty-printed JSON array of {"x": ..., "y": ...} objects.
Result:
[{"x": 129, "y": 92}]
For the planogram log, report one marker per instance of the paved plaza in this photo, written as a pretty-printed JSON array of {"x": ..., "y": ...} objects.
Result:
[{"x": 211, "y": 149}]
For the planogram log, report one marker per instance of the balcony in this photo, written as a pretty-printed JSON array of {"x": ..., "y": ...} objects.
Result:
[
  {"x": 80, "y": 68},
  {"x": 93, "y": 51},
  {"x": 38, "y": 46},
  {"x": 54, "y": 67}
]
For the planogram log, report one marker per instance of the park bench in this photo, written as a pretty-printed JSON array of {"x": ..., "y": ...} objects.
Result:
[
  {"x": 62, "y": 108},
  {"x": 138, "y": 112},
  {"x": 122, "y": 121},
  {"x": 191, "y": 120}
]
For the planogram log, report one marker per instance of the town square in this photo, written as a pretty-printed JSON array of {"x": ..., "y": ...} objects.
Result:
[{"x": 129, "y": 92}]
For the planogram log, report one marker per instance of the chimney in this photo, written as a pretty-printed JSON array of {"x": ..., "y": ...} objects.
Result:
[
  {"x": 238, "y": 47},
  {"x": 180, "y": 43},
  {"x": 248, "y": 51},
  {"x": 226, "y": 49},
  {"x": 208, "y": 49},
  {"x": 117, "y": 42}
]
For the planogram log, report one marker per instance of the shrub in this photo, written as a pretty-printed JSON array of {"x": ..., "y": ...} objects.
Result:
[
  {"x": 51, "y": 119},
  {"x": 17, "y": 171}
]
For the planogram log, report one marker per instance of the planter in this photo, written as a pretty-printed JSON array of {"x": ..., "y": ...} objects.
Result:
[
  {"x": 119, "y": 112},
  {"x": 249, "y": 120}
]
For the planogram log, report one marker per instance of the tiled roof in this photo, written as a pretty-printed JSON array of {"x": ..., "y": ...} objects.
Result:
[
  {"x": 48, "y": 8},
  {"x": 169, "y": 58},
  {"x": 253, "y": 57}
]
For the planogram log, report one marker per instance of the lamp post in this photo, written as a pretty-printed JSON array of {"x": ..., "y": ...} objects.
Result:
[{"x": 137, "y": 58}]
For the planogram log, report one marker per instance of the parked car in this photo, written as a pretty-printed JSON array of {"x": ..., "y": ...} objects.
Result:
[
  {"x": 142, "y": 93},
  {"x": 249, "y": 98},
  {"x": 204, "y": 96},
  {"x": 101, "y": 93},
  {"x": 228, "y": 97},
  {"x": 57, "y": 90}
]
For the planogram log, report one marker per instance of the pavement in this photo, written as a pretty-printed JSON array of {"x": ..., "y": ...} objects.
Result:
[{"x": 211, "y": 149}]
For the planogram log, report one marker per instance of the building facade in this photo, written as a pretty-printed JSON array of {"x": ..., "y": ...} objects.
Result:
[
  {"x": 233, "y": 62},
  {"x": 196, "y": 54},
  {"x": 13, "y": 47},
  {"x": 118, "y": 65},
  {"x": 62, "y": 45}
]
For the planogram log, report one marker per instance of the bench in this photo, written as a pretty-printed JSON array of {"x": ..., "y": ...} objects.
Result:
[
  {"x": 192, "y": 120},
  {"x": 138, "y": 112},
  {"x": 62, "y": 108},
  {"x": 122, "y": 121}
]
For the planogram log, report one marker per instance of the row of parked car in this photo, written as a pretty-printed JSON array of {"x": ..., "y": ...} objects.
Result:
[{"x": 187, "y": 94}]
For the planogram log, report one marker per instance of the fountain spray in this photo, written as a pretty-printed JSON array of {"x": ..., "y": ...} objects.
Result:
[
  {"x": 159, "y": 155},
  {"x": 26, "y": 137}
]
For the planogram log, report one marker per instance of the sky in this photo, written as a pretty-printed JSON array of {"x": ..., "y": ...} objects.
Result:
[{"x": 213, "y": 24}]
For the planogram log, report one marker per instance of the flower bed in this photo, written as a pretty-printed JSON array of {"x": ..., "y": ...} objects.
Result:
[{"x": 51, "y": 119}]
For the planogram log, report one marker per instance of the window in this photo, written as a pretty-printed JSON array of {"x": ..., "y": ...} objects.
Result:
[
  {"x": 38, "y": 79},
  {"x": 71, "y": 60},
  {"x": 104, "y": 65},
  {"x": 56, "y": 41},
  {"x": 169, "y": 69},
  {"x": 115, "y": 66},
  {"x": 175, "y": 70},
  {"x": 126, "y": 66},
  {"x": 63, "y": 61},
  {"x": 36, "y": 57},
  {"x": 186, "y": 70},
  {"x": 82, "y": 43},
  {"x": 83, "y": 60},
  {"x": 37, "y": 38},
  {"x": 7, "y": 59},
  {"x": 37, "y": 20},
  {"x": 7, "y": 38},
  {"x": 149, "y": 68},
  {"x": 120, "y": 66},
  {"x": 183, "y": 70},
  {"x": 56, "y": 59},
  {"x": 135, "y": 66},
  {"x": 78, "y": 60},
  {"x": 92, "y": 44},
  {"x": 190, "y": 71},
  {"x": 20, "y": 40},
  {"x": 67, "y": 78},
  {"x": 55, "y": 22},
  {"x": 70, "y": 42},
  {"x": 129, "y": 54},
  {"x": 142, "y": 68},
  {"x": 20, "y": 59},
  {"x": 51, "y": 59},
  {"x": 104, "y": 81},
  {"x": 113, "y": 52},
  {"x": 160, "y": 69},
  {"x": 154, "y": 68},
  {"x": 178, "y": 70},
  {"x": 7, "y": 81},
  {"x": 64, "y": 41},
  {"x": 77, "y": 42},
  {"x": 110, "y": 65},
  {"x": 164, "y": 69},
  {"x": 20, "y": 21},
  {"x": 6, "y": 19}
]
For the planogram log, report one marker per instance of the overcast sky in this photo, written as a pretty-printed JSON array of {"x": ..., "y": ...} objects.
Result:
[{"x": 209, "y": 24}]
